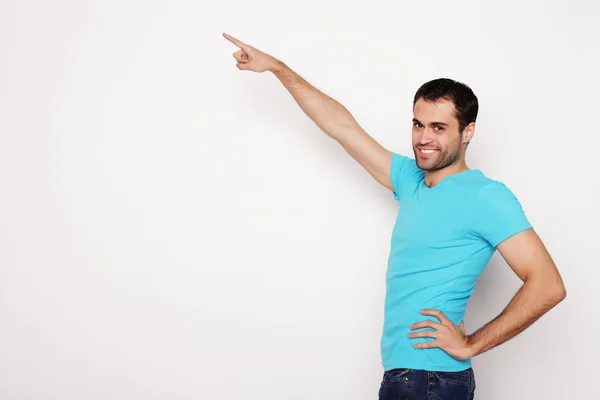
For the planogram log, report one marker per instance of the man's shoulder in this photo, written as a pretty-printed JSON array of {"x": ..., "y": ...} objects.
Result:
[
  {"x": 406, "y": 161},
  {"x": 490, "y": 190},
  {"x": 488, "y": 185},
  {"x": 408, "y": 165}
]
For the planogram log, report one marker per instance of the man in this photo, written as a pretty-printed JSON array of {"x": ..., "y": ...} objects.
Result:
[{"x": 451, "y": 220}]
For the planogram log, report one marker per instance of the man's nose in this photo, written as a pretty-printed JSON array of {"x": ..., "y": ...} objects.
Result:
[{"x": 426, "y": 136}]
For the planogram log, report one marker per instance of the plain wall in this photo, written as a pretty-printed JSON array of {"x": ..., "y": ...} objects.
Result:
[{"x": 173, "y": 228}]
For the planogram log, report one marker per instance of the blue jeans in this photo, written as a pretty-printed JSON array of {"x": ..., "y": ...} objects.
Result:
[{"x": 414, "y": 384}]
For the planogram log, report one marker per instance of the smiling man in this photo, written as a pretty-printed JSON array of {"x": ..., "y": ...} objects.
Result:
[{"x": 451, "y": 221}]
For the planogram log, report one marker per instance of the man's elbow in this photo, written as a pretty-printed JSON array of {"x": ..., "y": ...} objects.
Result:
[
  {"x": 551, "y": 289},
  {"x": 557, "y": 294},
  {"x": 551, "y": 286}
]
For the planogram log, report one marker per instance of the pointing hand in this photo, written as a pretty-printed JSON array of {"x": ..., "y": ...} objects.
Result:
[{"x": 250, "y": 59}]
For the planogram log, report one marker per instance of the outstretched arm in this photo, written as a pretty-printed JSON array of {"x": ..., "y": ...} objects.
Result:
[{"x": 329, "y": 115}]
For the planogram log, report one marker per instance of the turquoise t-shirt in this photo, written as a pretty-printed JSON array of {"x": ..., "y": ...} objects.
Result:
[{"x": 443, "y": 239}]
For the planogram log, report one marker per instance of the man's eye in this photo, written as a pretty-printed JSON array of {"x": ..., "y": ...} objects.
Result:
[
  {"x": 418, "y": 125},
  {"x": 439, "y": 128}
]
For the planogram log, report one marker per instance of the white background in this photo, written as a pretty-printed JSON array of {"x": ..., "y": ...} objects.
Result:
[{"x": 173, "y": 228}]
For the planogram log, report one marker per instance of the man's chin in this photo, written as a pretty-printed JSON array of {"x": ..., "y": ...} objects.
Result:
[{"x": 426, "y": 165}]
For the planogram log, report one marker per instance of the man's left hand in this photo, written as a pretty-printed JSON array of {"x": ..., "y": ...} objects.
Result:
[{"x": 448, "y": 337}]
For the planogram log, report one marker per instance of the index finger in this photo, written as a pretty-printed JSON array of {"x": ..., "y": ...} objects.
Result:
[
  {"x": 436, "y": 313},
  {"x": 234, "y": 41},
  {"x": 425, "y": 324}
]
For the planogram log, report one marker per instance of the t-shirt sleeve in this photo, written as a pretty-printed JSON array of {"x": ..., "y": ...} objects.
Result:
[
  {"x": 498, "y": 214},
  {"x": 397, "y": 173}
]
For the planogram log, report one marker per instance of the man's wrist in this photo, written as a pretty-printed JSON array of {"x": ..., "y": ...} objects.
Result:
[
  {"x": 472, "y": 346},
  {"x": 276, "y": 66}
]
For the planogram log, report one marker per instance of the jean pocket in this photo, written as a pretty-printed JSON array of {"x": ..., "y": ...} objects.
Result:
[
  {"x": 464, "y": 377},
  {"x": 396, "y": 375}
]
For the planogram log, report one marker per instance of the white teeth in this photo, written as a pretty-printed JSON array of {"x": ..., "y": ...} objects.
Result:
[{"x": 427, "y": 151}]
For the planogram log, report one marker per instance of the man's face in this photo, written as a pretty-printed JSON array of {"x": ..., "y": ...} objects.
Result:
[{"x": 435, "y": 135}]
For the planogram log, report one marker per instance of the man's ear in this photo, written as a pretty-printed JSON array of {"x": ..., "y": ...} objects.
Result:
[{"x": 468, "y": 133}]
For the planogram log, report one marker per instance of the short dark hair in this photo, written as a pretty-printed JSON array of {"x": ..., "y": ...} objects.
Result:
[{"x": 460, "y": 94}]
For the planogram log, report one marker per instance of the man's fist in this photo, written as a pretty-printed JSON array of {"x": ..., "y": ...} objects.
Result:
[{"x": 250, "y": 59}]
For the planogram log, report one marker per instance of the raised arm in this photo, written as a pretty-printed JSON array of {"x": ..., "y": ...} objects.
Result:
[{"x": 329, "y": 115}]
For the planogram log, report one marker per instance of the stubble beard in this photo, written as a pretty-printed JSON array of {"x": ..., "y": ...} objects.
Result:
[{"x": 444, "y": 158}]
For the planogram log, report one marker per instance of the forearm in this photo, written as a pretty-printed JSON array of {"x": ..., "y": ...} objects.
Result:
[
  {"x": 337, "y": 122},
  {"x": 329, "y": 115},
  {"x": 532, "y": 301}
]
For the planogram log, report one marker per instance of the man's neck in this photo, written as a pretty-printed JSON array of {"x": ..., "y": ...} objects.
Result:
[{"x": 433, "y": 178}]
